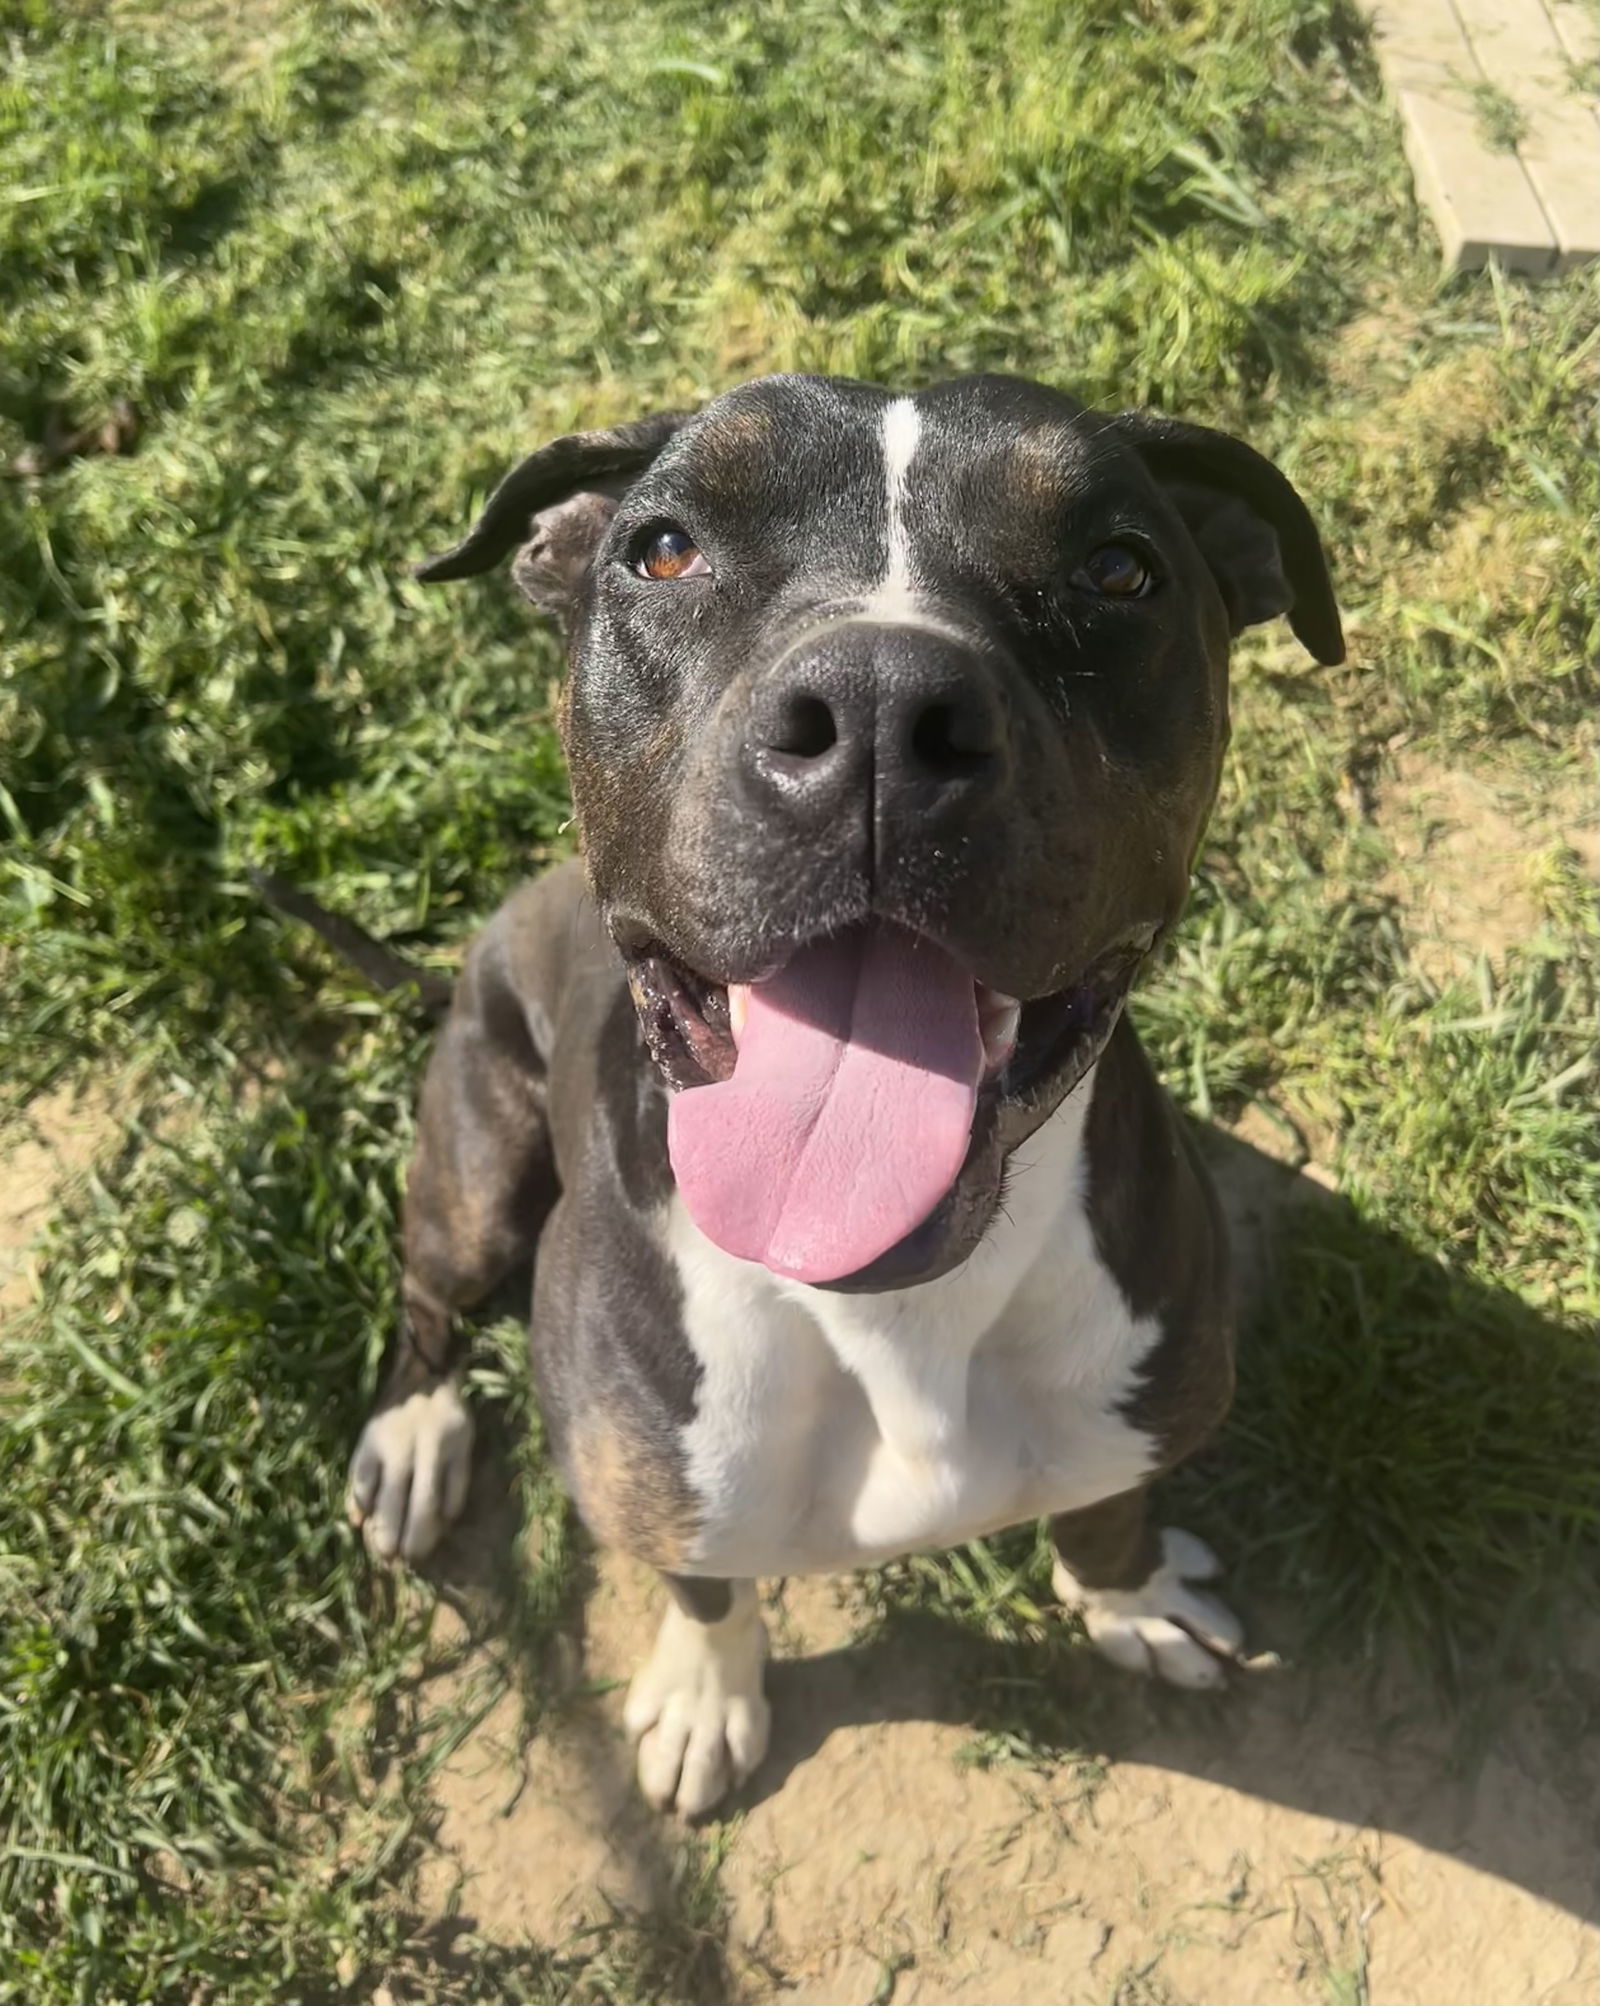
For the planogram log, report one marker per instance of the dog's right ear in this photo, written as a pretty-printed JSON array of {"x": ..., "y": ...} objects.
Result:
[
  {"x": 1252, "y": 528},
  {"x": 556, "y": 506}
]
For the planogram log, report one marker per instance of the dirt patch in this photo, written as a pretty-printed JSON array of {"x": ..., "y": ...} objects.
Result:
[
  {"x": 1253, "y": 1851},
  {"x": 61, "y": 1137},
  {"x": 1475, "y": 857},
  {"x": 536, "y": 1838},
  {"x": 1487, "y": 560},
  {"x": 1377, "y": 345},
  {"x": 1425, "y": 419},
  {"x": 1303, "y": 1838}
]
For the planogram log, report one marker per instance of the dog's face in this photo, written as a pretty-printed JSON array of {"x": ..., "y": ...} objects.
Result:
[{"x": 893, "y": 727}]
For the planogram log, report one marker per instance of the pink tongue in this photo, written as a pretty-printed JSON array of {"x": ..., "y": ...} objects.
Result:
[{"x": 849, "y": 1110}]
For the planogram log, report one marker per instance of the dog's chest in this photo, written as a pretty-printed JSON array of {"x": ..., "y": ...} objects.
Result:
[{"x": 832, "y": 1431}]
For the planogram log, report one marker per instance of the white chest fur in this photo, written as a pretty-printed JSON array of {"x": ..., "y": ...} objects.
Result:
[{"x": 832, "y": 1430}]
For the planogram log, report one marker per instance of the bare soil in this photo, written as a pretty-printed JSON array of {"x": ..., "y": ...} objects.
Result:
[
  {"x": 1475, "y": 856},
  {"x": 1305, "y": 1837},
  {"x": 63, "y": 1135}
]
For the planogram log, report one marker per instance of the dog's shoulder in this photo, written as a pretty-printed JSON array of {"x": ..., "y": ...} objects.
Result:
[
  {"x": 1158, "y": 1226},
  {"x": 542, "y": 945}
]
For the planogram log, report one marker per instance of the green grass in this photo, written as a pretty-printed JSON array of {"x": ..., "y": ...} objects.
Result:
[
  {"x": 348, "y": 262},
  {"x": 1502, "y": 123}
]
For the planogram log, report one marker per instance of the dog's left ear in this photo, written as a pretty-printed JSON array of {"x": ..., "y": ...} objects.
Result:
[
  {"x": 554, "y": 509},
  {"x": 1254, "y": 531}
]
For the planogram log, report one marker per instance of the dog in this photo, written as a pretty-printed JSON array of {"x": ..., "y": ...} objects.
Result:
[{"x": 859, "y": 1222}]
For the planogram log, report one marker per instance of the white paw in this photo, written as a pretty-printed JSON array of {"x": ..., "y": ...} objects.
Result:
[
  {"x": 697, "y": 1710},
  {"x": 1164, "y": 1626},
  {"x": 410, "y": 1471}
]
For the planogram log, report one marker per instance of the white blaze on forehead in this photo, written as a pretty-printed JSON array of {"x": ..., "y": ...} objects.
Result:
[
  {"x": 895, "y": 595},
  {"x": 895, "y": 599},
  {"x": 900, "y": 428}
]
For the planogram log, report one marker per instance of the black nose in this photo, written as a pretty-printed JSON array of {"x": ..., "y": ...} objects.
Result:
[{"x": 907, "y": 720}]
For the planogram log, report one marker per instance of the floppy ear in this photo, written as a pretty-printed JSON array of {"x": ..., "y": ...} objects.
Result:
[
  {"x": 556, "y": 506},
  {"x": 1254, "y": 531}
]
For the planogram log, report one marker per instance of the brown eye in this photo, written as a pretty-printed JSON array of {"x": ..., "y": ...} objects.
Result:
[
  {"x": 671, "y": 553},
  {"x": 1116, "y": 572}
]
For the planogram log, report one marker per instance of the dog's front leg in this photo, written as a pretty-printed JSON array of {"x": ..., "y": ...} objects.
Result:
[
  {"x": 1132, "y": 1586},
  {"x": 696, "y": 1709},
  {"x": 480, "y": 1186},
  {"x": 413, "y": 1463}
]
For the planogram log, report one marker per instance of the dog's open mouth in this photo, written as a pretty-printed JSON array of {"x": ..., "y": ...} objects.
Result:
[{"x": 824, "y": 1113}]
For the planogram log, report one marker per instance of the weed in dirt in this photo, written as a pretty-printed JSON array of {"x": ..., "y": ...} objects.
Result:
[
  {"x": 1335, "y": 1901},
  {"x": 1141, "y": 1984},
  {"x": 1502, "y": 123},
  {"x": 616, "y": 1959},
  {"x": 348, "y": 262}
]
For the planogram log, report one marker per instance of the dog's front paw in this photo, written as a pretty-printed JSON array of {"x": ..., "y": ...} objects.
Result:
[
  {"x": 1164, "y": 1626},
  {"x": 697, "y": 1710},
  {"x": 410, "y": 1472}
]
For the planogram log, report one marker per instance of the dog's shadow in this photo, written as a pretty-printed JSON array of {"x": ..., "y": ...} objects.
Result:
[
  {"x": 1499, "y": 1764},
  {"x": 1362, "y": 1749}
]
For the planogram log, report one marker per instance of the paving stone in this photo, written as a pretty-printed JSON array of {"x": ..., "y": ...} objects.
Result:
[
  {"x": 1577, "y": 27},
  {"x": 1534, "y": 207},
  {"x": 1481, "y": 201},
  {"x": 1519, "y": 50}
]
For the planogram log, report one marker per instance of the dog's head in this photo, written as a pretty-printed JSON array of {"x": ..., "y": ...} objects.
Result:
[{"x": 893, "y": 726}]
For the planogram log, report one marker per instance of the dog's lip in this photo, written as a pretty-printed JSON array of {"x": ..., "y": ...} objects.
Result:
[{"x": 683, "y": 1017}]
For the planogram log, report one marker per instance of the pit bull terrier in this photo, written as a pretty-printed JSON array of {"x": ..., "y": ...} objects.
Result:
[{"x": 861, "y": 1223}]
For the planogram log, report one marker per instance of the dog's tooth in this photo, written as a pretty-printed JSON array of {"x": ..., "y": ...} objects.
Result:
[
  {"x": 998, "y": 1018},
  {"x": 994, "y": 1003},
  {"x": 738, "y": 1003}
]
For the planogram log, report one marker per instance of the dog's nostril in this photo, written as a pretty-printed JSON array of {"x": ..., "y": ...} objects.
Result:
[
  {"x": 807, "y": 729},
  {"x": 952, "y": 739}
]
